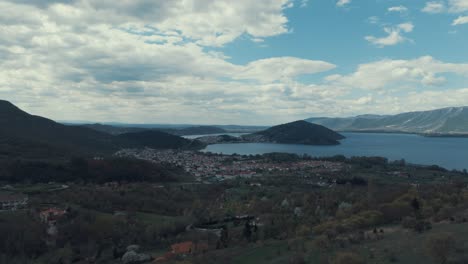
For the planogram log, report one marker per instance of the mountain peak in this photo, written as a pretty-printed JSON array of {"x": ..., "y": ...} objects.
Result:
[
  {"x": 297, "y": 132},
  {"x": 7, "y": 108}
]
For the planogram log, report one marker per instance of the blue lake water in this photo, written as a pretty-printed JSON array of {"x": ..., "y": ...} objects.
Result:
[
  {"x": 229, "y": 134},
  {"x": 450, "y": 153}
]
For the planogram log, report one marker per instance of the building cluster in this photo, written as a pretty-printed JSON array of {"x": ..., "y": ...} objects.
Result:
[
  {"x": 12, "y": 201},
  {"x": 222, "y": 167}
]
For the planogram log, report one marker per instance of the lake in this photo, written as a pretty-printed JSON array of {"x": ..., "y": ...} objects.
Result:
[
  {"x": 229, "y": 134},
  {"x": 450, "y": 153}
]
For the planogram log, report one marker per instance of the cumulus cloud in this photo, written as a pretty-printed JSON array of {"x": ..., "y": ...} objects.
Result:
[
  {"x": 342, "y": 3},
  {"x": 458, "y": 6},
  {"x": 91, "y": 59},
  {"x": 394, "y": 35},
  {"x": 210, "y": 22},
  {"x": 382, "y": 74},
  {"x": 434, "y": 7},
  {"x": 162, "y": 61},
  {"x": 399, "y": 9},
  {"x": 283, "y": 68},
  {"x": 450, "y": 6},
  {"x": 460, "y": 21}
]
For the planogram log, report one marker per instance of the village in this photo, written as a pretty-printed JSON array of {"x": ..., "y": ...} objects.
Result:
[{"x": 207, "y": 167}]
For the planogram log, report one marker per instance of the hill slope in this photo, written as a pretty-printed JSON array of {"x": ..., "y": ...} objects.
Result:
[
  {"x": 185, "y": 131},
  {"x": 113, "y": 130},
  {"x": 17, "y": 125},
  {"x": 28, "y": 136},
  {"x": 197, "y": 130},
  {"x": 157, "y": 139},
  {"x": 453, "y": 120},
  {"x": 298, "y": 132}
]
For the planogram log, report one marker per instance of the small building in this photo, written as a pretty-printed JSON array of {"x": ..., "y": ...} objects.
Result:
[
  {"x": 184, "y": 248},
  {"x": 12, "y": 201},
  {"x": 51, "y": 215}
]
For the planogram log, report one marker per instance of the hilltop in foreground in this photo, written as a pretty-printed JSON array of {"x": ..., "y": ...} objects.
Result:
[{"x": 28, "y": 136}]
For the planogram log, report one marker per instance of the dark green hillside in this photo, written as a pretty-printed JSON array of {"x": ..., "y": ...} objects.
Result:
[
  {"x": 114, "y": 130},
  {"x": 197, "y": 130},
  {"x": 33, "y": 137},
  {"x": 18, "y": 126},
  {"x": 298, "y": 132},
  {"x": 157, "y": 139}
]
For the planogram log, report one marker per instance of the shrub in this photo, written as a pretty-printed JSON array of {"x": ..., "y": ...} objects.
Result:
[{"x": 440, "y": 246}]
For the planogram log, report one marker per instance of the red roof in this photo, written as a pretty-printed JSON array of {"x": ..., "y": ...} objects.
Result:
[
  {"x": 183, "y": 248},
  {"x": 53, "y": 211}
]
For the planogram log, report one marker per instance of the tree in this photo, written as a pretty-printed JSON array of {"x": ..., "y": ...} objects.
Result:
[
  {"x": 248, "y": 231},
  {"x": 415, "y": 204},
  {"x": 440, "y": 246}
]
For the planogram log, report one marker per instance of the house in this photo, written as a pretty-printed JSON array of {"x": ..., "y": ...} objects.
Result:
[
  {"x": 11, "y": 201},
  {"x": 51, "y": 215},
  {"x": 184, "y": 248}
]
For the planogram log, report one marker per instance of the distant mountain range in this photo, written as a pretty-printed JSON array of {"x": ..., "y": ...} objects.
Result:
[
  {"x": 27, "y": 136},
  {"x": 452, "y": 120}
]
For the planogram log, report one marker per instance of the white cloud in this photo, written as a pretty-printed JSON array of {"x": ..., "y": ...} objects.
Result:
[
  {"x": 451, "y": 6},
  {"x": 373, "y": 20},
  {"x": 160, "y": 61},
  {"x": 87, "y": 60},
  {"x": 399, "y": 9},
  {"x": 209, "y": 22},
  {"x": 399, "y": 73},
  {"x": 458, "y": 6},
  {"x": 282, "y": 68},
  {"x": 460, "y": 20},
  {"x": 406, "y": 27},
  {"x": 342, "y": 3},
  {"x": 394, "y": 35},
  {"x": 434, "y": 7}
]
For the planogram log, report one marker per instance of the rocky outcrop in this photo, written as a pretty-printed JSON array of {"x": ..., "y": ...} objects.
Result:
[{"x": 132, "y": 256}]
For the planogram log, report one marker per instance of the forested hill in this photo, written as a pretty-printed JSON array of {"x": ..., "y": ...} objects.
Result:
[
  {"x": 18, "y": 126},
  {"x": 298, "y": 132},
  {"x": 184, "y": 131},
  {"x": 28, "y": 136}
]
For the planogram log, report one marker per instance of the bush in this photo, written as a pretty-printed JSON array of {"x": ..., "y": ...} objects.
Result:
[
  {"x": 409, "y": 222},
  {"x": 440, "y": 246}
]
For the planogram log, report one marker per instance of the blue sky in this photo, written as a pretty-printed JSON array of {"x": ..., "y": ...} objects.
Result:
[
  {"x": 321, "y": 30},
  {"x": 224, "y": 62}
]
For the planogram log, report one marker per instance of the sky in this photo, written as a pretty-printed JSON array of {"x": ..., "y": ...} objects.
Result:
[{"x": 231, "y": 62}]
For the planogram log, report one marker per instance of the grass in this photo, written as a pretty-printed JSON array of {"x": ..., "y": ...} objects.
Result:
[
  {"x": 159, "y": 219},
  {"x": 36, "y": 188},
  {"x": 406, "y": 246}
]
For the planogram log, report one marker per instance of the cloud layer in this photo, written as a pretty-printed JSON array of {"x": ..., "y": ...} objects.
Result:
[{"x": 162, "y": 61}]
